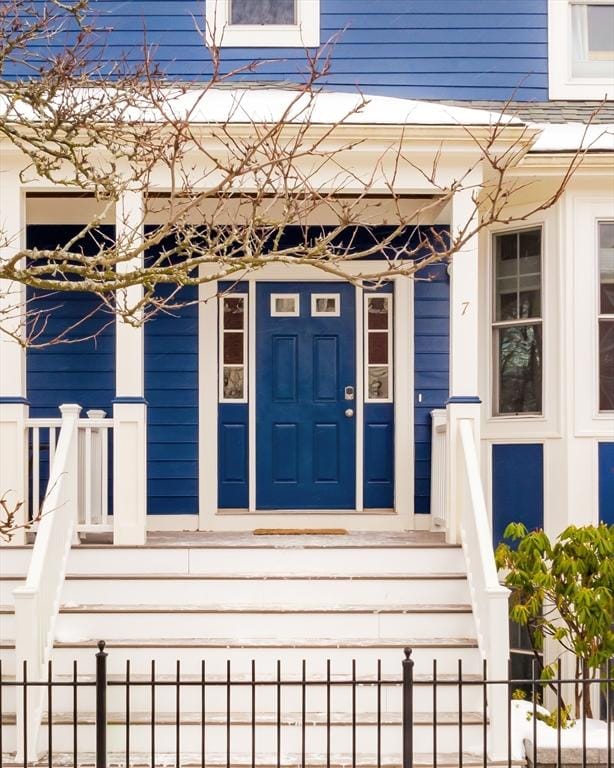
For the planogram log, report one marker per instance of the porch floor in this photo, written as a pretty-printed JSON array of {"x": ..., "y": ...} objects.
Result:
[{"x": 230, "y": 540}]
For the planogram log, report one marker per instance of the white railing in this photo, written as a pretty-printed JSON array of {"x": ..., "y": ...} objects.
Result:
[
  {"x": 37, "y": 602},
  {"x": 488, "y": 597},
  {"x": 92, "y": 509},
  {"x": 439, "y": 469},
  {"x": 76, "y": 452}
]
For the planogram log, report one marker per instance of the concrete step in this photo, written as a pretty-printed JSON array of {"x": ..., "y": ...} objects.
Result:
[
  {"x": 315, "y": 731},
  {"x": 267, "y": 651},
  {"x": 258, "y": 589},
  {"x": 369, "y": 694},
  {"x": 242, "y": 758},
  {"x": 279, "y": 558}
]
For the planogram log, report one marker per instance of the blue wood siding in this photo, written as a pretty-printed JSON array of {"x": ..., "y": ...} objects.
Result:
[
  {"x": 606, "y": 483},
  {"x": 82, "y": 372},
  {"x": 432, "y": 365},
  {"x": 421, "y": 49},
  {"x": 517, "y": 486},
  {"x": 171, "y": 391}
]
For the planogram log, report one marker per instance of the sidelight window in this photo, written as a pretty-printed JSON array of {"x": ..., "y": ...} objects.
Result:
[
  {"x": 378, "y": 348},
  {"x": 233, "y": 348}
]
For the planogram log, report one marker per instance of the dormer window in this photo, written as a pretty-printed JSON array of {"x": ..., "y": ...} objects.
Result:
[
  {"x": 262, "y": 12},
  {"x": 581, "y": 49},
  {"x": 263, "y": 23}
]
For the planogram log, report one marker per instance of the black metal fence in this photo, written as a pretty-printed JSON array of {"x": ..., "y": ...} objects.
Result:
[{"x": 385, "y": 725}]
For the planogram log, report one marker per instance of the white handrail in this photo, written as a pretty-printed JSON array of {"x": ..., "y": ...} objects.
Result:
[
  {"x": 489, "y": 598},
  {"x": 37, "y": 602}
]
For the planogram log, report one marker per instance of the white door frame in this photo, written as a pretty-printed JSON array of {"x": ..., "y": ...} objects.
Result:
[{"x": 402, "y": 517}]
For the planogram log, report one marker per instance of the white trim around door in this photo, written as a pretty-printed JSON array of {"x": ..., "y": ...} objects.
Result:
[{"x": 210, "y": 517}]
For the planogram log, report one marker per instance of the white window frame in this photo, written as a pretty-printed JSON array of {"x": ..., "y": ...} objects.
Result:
[
  {"x": 304, "y": 34},
  {"x": 297, "y": 304},
  {"x": 314, "y": 299},
  {"x": 499, "y": 324},
  {"x": 221, "y": 333},
  {"x": 390, "y": 365},
  {"x": 562, "y": 84},
  {"x": 607, "y": 316}
]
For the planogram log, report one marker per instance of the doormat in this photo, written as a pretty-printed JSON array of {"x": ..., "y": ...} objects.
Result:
[{"x": 300, "y": 532}]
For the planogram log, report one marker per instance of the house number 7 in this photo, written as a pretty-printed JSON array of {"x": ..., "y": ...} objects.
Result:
[{"x": 465, "y": 306}]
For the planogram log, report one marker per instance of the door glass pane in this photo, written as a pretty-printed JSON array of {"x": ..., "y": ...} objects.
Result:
[
  {"x": 233, "y": 313},
  {"x": 262, "y": 12},
  {"x": 378, "y": 348},
  {"x": 233, "y": 348},
  {"x": 606, "y": 365},
  {"x": 606, "y": 267},
  {"x": 378, "y": 313},
  {"x": 519, "y": 354},
  {"x": 378, "y": 383},
  {"x": 233, "y": 383}
]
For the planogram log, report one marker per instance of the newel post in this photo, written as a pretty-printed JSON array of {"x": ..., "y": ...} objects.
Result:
[{"x": 129, "y": 406}]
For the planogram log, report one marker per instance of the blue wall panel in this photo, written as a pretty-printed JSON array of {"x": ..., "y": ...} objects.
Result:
[
  {"x": 606, "y": 483},
  {"x": 171, "y": 391},
  {"x": 432, "y": 363},
  {"x": 82, "y": 372},
  {"x": 517, "y": 486},
  {"x": 424, "y": 49}
]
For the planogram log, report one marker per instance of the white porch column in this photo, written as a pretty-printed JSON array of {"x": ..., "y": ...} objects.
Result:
[
  {"x": 13, "y": 402},
  {"x": 464, "y": 401},
  {"x": 129, "y": 406}
]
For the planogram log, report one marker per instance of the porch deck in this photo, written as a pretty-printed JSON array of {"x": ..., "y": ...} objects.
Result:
[{"x": 242, "y": 539}]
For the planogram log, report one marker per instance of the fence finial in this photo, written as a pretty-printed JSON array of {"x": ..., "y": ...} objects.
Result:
[
  {"x": 407, "y": 654},
  {"x": 101, "y": 645}
]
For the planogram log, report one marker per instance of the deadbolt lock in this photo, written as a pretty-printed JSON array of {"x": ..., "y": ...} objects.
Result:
[{"x": 349, "y": 393}]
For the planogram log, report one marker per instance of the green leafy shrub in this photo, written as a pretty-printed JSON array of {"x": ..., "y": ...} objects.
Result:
[{"x": 564, "y": 590}]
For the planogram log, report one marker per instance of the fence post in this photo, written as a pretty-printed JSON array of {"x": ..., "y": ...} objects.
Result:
[
  {"x": 101, "y": 706},
  {"x": 408, "y": 710}
]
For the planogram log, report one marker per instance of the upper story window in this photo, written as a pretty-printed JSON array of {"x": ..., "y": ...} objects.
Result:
[
  {"x": 517, "y": 323},
  {"x": 263, "y": 23},
  {"x": 581, "y": 49},
  {"x": 606, "y": 315}
]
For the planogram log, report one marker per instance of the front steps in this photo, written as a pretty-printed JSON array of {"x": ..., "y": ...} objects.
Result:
[{"x": 301, "y": 600}]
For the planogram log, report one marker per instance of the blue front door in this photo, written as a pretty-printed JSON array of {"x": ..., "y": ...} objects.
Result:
[{"x": 305, "y": 382}]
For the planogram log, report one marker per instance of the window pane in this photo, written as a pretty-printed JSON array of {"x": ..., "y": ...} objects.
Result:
[
  {"x": 326, "y": 305},
  {"x": 233, "y": 348},
  {"x": 378, "y": 383},
  {"x": 600, "y": 20},
  {"x": 606, "y": 267},
  {"x": 233, "y": 383},
  {"x": 606, "y": 365},
  {"x": 262, "y": 12},
  {"x": 519, "y": 351},
  {"x": 233, "y": 313},
  {"x": 518, "y": 275},
  {"x": 378, "y": 348},
  {"x": 377, "y": 312}
]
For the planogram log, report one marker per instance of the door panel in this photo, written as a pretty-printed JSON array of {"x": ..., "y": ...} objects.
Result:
[{"x": 305, "y": 443}]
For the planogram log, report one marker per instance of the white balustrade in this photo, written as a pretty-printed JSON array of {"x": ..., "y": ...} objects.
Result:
[
  {"x": 455, "y": 464},
  {"x": 76, "y": 499},
  {"x": 489, "y": 598},
  {"x": 37, "y": 602},
  {"x": 92, "y": 509}
]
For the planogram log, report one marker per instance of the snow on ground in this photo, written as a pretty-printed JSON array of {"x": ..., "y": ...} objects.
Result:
[{"x": 571, "y": 737}]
